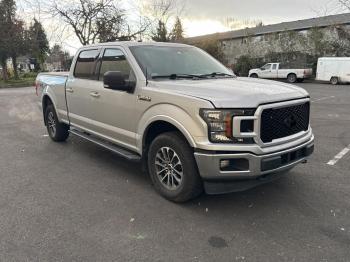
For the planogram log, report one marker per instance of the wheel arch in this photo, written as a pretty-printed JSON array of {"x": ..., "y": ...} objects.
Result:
[
  {"x": 161, "y": 125},
  {"x": 46, "y": 100}
]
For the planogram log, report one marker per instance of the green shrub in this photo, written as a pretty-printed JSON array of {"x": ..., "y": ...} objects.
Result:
[{"x": 245, "y": 63}]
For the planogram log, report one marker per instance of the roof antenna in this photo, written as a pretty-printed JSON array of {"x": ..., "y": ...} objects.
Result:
[{"x": 146, "y": 77}]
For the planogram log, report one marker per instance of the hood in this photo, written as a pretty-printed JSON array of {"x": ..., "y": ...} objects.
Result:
[{"x": 240, "y": 92}]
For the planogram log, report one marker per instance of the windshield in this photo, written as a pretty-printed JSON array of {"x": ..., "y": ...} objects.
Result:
[{"x": 160, "y": 61}]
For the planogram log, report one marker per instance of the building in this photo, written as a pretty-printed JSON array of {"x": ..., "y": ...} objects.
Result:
[
  {"x": 23, "y": 64},
  {"x": 283, "y": 37}
]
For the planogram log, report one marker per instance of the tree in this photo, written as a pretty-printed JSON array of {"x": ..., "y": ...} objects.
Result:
[
  {"x": 96, "y": 20},
  {"x": 284, "y": 47},
  {"x": 340, "y": 44},
  {"x": 161, "y": 34},
  {"x": 244, "y": 63},
  {"x": 18, "y": 43},
  {"x": 166, "y": 12},
  {"x": 318, "y": 44},
  {"x": 177, "y": 32},
  {"x": 3, "y": 46},
  {"x": 7, "y": 17},
  {"x": 345, "y": 3},
  {"x": 59, "y": 58},
  {"x": 39, "y": 46},
  {"x": 214, "y": 48}
]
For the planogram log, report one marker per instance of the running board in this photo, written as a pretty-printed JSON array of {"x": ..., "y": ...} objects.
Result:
[{"x": 112, "y": 147}]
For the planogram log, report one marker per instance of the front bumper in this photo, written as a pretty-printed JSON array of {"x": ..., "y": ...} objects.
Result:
[{"x": 224, "y": 168}]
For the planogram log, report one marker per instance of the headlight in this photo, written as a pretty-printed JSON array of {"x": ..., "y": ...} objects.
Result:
[{"x": 220, "y": 123}]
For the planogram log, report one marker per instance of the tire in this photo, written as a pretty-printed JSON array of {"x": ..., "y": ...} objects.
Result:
[
  {"x": 173, "y": 169},
  {"x": 57, "y": 131},
  {"x": 300, "y": 80},
  {"x": 292, "y": 78},
  {"x": 254, "y": 76},
  {"x": 334, "y": 80}
]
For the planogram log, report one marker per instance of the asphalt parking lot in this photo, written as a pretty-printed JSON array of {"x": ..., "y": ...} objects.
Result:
[{"x": 78, "y": 202}]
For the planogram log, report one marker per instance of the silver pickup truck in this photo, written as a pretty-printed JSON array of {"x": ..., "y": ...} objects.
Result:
[{"x": 192, "y": 123}]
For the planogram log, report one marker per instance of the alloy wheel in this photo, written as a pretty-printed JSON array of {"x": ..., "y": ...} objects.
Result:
[
  {"x": 51, "y": 123},
  {"x": 169, "y": 168}
]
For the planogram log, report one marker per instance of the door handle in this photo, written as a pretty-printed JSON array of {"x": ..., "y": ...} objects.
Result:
[
  {"x": 70, "y": 90},
  {"x": 94, "y": 94}
]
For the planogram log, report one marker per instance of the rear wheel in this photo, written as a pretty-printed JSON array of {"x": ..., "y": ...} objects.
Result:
[
  {"x": 292, "y": 78},
  {"x": 173, "y": 169},
  {"x": 58, "y": 132},
  {"x": 334, "y": 80}
]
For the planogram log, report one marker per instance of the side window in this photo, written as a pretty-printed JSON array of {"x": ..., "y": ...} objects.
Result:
[
  {"x": 114, "y": 60},
  {"x": 267, "y": 66},
  {"x": 274, "y": 67},
  {"x": 85, "y": 65}
]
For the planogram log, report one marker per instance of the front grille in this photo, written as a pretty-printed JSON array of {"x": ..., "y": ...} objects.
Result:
[{"x": 282, "y": 122}]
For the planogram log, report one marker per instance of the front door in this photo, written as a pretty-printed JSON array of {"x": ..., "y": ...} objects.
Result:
[
  {"x": 114, "y": 110},
  {"x": 265, "y": 71}
]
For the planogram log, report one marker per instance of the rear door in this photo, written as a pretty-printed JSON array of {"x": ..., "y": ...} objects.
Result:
[{"x": 80, "y": 85}]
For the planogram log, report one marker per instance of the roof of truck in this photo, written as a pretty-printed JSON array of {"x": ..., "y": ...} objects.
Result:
[{"x": 134, "y": 43}]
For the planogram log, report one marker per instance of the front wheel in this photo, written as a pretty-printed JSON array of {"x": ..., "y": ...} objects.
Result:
[
  {"x": 58, "y": 132},
  {"x": 254, "y": 76},
  {"x": 173, "y": 168}
]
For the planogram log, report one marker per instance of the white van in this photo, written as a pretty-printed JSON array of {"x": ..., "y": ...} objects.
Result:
[{"x": 333, "y": 69}]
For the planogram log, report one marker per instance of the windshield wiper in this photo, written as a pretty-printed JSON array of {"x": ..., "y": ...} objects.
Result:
[
  {"x": 214, "y": 74},
  {"x": 176, "y": 76}
]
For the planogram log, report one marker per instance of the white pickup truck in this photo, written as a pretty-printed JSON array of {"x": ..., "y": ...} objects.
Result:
[
  {"x": 192, "y": 123},
  {"x": 276, "y": 71}
]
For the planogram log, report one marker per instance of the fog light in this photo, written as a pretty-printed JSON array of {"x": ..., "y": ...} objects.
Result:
[
  {"x": 224, "y": 164},
  {"x": 234, "y": 164}
]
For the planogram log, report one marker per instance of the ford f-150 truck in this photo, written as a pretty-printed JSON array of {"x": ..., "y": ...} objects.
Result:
[
  {"x": 277, "y": 71},
  {"x": 192, "y": 123}
]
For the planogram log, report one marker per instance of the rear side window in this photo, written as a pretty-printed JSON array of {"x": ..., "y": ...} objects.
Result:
[
  {"x": 85, "y": 65},
  {"x": 274, "y": 67},
  {"x": 114, "y": 60}
]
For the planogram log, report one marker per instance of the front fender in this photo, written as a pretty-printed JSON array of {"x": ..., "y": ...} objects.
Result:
[
  {"x": 254, "y": 71},
  {"x": 174, "y": 115}
]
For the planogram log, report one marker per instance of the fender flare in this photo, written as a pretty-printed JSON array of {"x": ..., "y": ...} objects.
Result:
[{"x": 150, "y": 117}]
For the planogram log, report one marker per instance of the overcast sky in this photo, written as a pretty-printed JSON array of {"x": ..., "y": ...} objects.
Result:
[
  {"x": 208, "y": 16},
  {"x": 268, "y": 11}
]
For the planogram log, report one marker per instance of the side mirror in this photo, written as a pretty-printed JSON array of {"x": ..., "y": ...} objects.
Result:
[
  {"x": 262, "y": 68},
  {"x": 116, "y": 80}
]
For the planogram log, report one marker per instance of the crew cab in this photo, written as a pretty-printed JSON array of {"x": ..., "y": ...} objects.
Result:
[
  {"x": 279, "y": 71},
  {"x": 192, "y": 123}
]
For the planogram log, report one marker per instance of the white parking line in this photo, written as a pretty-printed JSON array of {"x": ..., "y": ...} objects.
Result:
[
  {"x": 339, "y": 156},
  {"x": 323, "y": 98}
]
